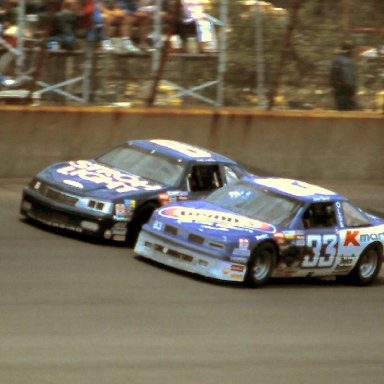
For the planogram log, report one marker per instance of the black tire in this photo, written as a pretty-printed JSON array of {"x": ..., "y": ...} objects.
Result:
[
  {"x": 366, "y": 270},
  {"x": 141, "y": 217},
  {"x": 261, "y": 265}
]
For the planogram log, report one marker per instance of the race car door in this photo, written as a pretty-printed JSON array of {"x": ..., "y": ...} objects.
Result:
[{"x": 321, "y": 239}]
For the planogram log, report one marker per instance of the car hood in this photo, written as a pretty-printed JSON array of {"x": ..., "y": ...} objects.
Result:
[
  {"x": 89, "y": 178},
  {"x": 202, "y": 216}
]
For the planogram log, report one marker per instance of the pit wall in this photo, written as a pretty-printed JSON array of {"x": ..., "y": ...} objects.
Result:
[{"x": 302, "y": 145}]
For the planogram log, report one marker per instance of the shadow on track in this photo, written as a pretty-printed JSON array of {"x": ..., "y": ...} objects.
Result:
[
  {"x": 274, "y": 283},
  {"x": 71, "y": 235}
]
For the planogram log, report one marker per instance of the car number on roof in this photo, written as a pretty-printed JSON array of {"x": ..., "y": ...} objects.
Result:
[
  {"x": 293, "y": 187},
  {"x": 185, "y": 149}
]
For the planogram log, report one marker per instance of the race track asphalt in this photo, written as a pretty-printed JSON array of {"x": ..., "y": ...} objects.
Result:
[{"x": 77, "y": 312}]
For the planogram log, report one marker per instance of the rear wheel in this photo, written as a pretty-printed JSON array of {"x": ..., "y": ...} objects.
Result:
[
  {"x": 366, "y": 269},
  {"x": 261, "y": 265}
]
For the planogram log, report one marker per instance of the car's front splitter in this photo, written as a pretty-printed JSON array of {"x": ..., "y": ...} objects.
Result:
[
  {"x": 173, "y": 255},
  {"x": 58, "y": 217}
]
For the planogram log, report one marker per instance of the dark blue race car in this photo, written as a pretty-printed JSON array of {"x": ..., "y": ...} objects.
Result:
[
  {"x": 257, "y": 228},
  {"x": 113, "y": 195}
]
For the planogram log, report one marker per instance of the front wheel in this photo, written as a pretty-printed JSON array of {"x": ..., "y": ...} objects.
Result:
[
  {"x": 141, "y": 218},
  {"x": 261, "y": 265},
  {"x": 366, "y": 270}
]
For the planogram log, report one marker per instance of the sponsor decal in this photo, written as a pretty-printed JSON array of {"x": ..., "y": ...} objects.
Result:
[
  {"x": 339, "y": 214},
  {"x": 351, "y": 238},
  {"x": 212, "y": 228},
  {"x": 346, "y": 260},
  {"x": 185, "y": 149},
  {"x": 158, "y": 225},
  {"x": 236, "y": 277},
  {"x": 341, "y": 269},
  {"x": 237, "y": 268},
  {"x": 290, "y": 237},
  {"x": 130, "y": 203},
  {"x": 111, "y": 178},
  {"x": 355, "y": 238},
  {"x": 321, "y": 198},
  {"x": 279, "y": 237},
  {"x": 240, "y": 253},
  {"x": 294, "y": 187},
  {"x": 216, "y": 218},
  {"x": 243, "y": 244},
  {"x": 172, "y": 197},
  {"x": 73, "y": 183},
  {"x": 300, "y": 240},
  {"x": 243, "y": 251},
  {"x": 365, "y": 238}
]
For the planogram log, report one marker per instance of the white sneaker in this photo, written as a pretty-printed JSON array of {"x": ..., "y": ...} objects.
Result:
[
  {"x": 129, "y": 46},
  {"x": 107, "y": 45},
  {"x": 53, "y": 46}
]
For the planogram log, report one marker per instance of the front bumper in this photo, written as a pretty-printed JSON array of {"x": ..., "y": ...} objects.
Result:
[
  {"x": 175, "y": 255},
  {"x": 58, "y": 215}
]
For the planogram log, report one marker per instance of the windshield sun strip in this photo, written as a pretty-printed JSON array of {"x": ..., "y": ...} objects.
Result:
[
  {"x": 244, "y": 209},
  {"x": 173, "y": 161}
]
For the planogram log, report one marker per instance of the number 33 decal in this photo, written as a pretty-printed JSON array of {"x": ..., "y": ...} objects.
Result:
[{"x": 324, "y": 248}]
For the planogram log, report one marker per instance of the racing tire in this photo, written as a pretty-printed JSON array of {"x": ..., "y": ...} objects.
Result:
[
  {"x": 142, "y": 217},
  {"x": 261, "y": 265},
  {"x": 366, "y": 270}
]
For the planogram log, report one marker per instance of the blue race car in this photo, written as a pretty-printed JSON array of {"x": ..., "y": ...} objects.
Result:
[
  {"x": 258, "y": 228},
  {"x": 113, "y": 195}
]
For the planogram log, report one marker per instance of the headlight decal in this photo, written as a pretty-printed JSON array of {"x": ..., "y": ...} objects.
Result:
[
  {"x": 95, "y": 205},
  {"x": 125, "y": 210}
]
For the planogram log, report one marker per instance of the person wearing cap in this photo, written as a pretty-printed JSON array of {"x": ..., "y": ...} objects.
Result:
[{"x": 343, "y": 79}]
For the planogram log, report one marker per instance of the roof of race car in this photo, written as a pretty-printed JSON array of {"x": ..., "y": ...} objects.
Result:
[
  {"x": 181, "y": 150},
  {"x": 299, "y": 190}
]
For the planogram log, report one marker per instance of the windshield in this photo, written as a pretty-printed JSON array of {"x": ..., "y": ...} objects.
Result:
[
  {"x": 148, "y": 165},
  {"x": 257, "y": 203}
]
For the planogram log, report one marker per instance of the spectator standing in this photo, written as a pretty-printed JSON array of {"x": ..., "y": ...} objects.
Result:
[{"x": 343, "y": 79}]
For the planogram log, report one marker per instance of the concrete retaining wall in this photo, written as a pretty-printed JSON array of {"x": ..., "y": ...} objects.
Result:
[{"x": 290, "y": 144}]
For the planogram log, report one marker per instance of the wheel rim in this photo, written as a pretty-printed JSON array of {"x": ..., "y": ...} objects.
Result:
[
  {"x": 261, "y": 266},
  {"x": 368, "y": 264}
]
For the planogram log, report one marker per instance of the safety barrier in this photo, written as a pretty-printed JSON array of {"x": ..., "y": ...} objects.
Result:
[{"x": 304, "y": 145}]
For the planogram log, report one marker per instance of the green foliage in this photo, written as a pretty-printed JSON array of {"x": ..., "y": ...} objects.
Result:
[{"x": 320, "y": 28}]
